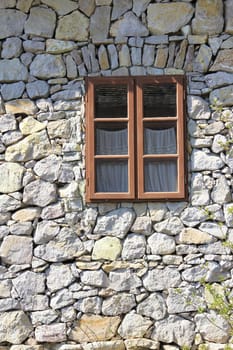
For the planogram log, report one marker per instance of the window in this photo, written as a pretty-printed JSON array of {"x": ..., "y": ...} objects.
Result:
[{"x": 135, "y": 138}]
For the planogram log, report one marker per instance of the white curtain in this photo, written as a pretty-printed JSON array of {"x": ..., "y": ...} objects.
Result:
[
  {"x": 160, "y": 176},
  {"x": 160, "y": 141},
  {"x": 112, "y": 176},
  {"x": 111, "y": 141}
]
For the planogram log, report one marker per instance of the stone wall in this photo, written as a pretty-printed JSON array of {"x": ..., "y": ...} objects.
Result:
[{"x": 110, "y": 276}]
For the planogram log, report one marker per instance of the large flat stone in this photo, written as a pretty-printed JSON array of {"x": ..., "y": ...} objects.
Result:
[
  {"x": 41, "y": 22},
  {"x": 100, "y": 21},
  {"x": 208, "y": 17},
  {"x": 177, "y": 15},
  {"x": 223, "y": 61},
  {"x": 129, "y": 25},
  {"x": 15, "y": 327},
  {"x": 16, "y": 250},
  {"x": 11, "y": 175},
  {"x": 61, "y": 7},
  {"x": 223, "y": 95},
  {"x": 12, "y": 70},
  {"x": 229, "y": 16},
  {"x": 11, "y": 23},
  {"x": 73, "y": 27},
  {"x": 46, "y": 66}
]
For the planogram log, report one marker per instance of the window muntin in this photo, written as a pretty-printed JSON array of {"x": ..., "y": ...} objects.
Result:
[{"x": 135, "y": 153}]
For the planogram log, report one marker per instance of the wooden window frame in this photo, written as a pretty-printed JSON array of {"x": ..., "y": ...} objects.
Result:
[{"x": 135, "y": 127}]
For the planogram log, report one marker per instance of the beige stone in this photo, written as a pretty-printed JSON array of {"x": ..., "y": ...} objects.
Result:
[
  {"x": 15, "y": 327},
  {"x": 180, "y": 57},
  {"x": 161, "y": 58},
  {"x": 208, "y": 17},
  {"x": 229, "y": 16},
  {"x": 203, "y": 59},
  {"x": 34, "y": 146},
  {"x": 7, "y": 3},
  {"x": 11, "y": 175},
  {"x": 116, "y": 265},
  {"x": 24, "y": 5},
  {"x": 94, "y": 328},
  {"x": 24, "y": 106},
  {"x": 110, "y": 345},
  {"x": 223, "y": 62},
  {"x": 27, "y": 214},
  {"x": 194, "y": 236},
  {"x": 60, "y": 6},
  {"x": 87, "y": 7},
  {"x": 176, "y": 14},
  {"x": 108, "y": 248},
  {"x": 59, "y": 46},
  {"x": 52, "y": 333},
  {"x": 141, "y": 344},
  {"x": 103, "y": 58},
  {"x": 30, "y": 125},
  {"x": 73, "y": 27}
]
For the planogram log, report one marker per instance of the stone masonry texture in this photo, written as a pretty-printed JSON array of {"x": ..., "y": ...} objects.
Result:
[{"x": 111, "y": 276}]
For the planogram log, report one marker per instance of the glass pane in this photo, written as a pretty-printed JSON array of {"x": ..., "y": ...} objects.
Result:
[
  {"x": 111, "y": 139},
  {"x": 160, "y": 175},
  {"x": 111, "y": 101},
  {"x": 159, "y": 100},
  {"x": 111, "y": 175},
  {"x": 159, "y": 139}
]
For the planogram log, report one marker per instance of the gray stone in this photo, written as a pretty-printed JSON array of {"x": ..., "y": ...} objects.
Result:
[
  {"x": 4, "y": 231},
  {"x": 45, "y": 66},
  {"x": 15, "y": 327},
  {"x": 198, "y": 108},
  {"x": 55, "y": 277},
  {"x": 43, "y": 317},
  {"x": 160, "y": 279},
  {"x": 120, "y": 7},
  {"x": 186, "y": 299},
  {"x": 73, "y": 27},
  {"x": 11, "y": 23},
  {"x": 40, "y": 193},
  {"x": 153, "y": 306},
  {"x": 53, "y": 211},
  {"x": 4, "y": 217},
  {"x": 201, "y": 160},
  {"x": 99, "y": 24},
  {"x": 5, "y": 288},
  {"x": 208, "y": 17},
  {"x": 118, "y": 304},
  {"x": 113, "y": 56},
  {"x": 199, "y": 192},
  {"x": 71, "y": 67},
  {"x": 228, "y": 18},
  {"x": 48, "y": 168},
  {"x": 54, "y": 333},
  {"x": 88, "y": 6},
  {"x": 148, "y": 55},
  {"x": 161, "y": 244},
  {"x": 228, "y": 214},
  {"x": 9, "y": 304},
  {"x": 61, "y": 299},
  {"x": 65, "y": 246},
  {"x": 143, "y": 225},
  {"x": 134, "y": 247},
  {"x": 193, "y": 216},
  {"x": 139, "y": 6},
  {"x": 89, "y": 305},
  {"x": 223, "y": 61},
  {"x": 203, "y": 59},
  {"x": 134, "y": 326},
  {"x": 177, "y": 15},
  {"x": 129, "y": 25},
  {"x": 124, "y": 281},
  {"x": 221, "y": 192},
  {"x": 213, "y": 327},
  {"x": 9, "y": 203},
  {"x": 115, "y": 223},
  {"x": 171, "y": 226},
  {"x": 12, "y": 70},
  {"x": 11, "y": 48},
  {"x": 41, "y": 22},
  {"x": 222, "y": 95},
  {"x": 21, "y": 228},
  {"x": 94, "y": 278},
  {"x": 60, "y": 7},
  {"x": 215, "y": 80},
  {"x": 45, "y": 231},
  {"x": 214, "y": 128},
  {"x": 219, "y": 143},
  {"x": 12, "y": 91},
  {"x": 216, "y": 230},
  {"x": 37, "y": 89},
  {"x": 174, "y": 329},
  {"x": 33, "y": 46},
  {"x": 11, "y": 175},
  {"x": 16, "y": 250}
]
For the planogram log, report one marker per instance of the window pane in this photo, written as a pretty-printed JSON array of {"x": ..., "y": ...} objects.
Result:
[
  {"x": 111, "y": 101},
  {"x": 159, "y": 140},
  {"x": 111, "y": 139},
  {"x": 111, "y": 175},
  {"x": 160, "y": 176},
  {"x": 159, "y": 100}
]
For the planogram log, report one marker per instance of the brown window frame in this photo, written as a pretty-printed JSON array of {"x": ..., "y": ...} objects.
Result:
[{"x": 135, "y": 126}]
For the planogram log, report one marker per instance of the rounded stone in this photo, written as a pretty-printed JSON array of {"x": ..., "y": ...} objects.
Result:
[{"x": 108, "y": 248}]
